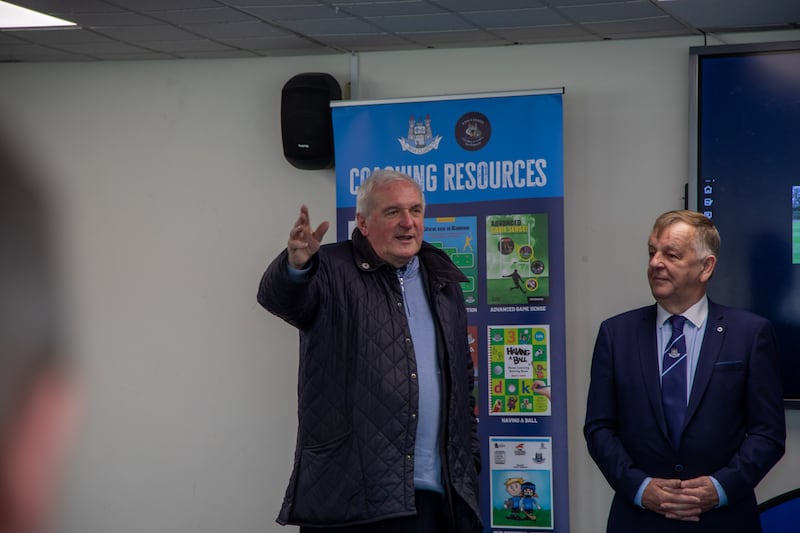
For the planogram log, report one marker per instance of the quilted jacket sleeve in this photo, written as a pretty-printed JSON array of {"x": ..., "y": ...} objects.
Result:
[
  {"x": 476, "y": 444},
  {"x": 293, "y": 300}
]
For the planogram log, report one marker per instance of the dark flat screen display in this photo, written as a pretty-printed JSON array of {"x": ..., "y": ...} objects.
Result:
[{"x": 748, "y": 183}]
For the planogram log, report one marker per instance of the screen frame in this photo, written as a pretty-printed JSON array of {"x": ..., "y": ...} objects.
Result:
[{"x": 696, "y": 53}]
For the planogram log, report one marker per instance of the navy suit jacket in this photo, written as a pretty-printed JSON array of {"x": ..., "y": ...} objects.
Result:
[{"x": 734, "y": 430}]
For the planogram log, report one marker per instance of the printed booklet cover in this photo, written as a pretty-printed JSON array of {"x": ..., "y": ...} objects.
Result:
[
  {"x": 517, "y": 262},
  {"x": 519, "y": 370}
]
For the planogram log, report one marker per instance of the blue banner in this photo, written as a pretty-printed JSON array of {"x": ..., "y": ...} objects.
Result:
[
  {"x": 456, "y": 148},
  {"x": 491, "y": 169}
]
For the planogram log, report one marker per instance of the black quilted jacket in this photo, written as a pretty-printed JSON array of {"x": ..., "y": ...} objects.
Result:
[{"x": 357, "y": 388}]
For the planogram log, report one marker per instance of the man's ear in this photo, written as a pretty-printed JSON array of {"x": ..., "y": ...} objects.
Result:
[
  {"x": 361, "y": 224},
  {"x": 708, "y": 268}
]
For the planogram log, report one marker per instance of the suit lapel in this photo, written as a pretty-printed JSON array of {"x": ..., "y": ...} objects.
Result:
[
  {"x": 648, "y": 358},
  {"x": 709, "y": 353}
]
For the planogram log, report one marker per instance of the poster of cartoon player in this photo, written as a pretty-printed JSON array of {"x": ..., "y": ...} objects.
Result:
[
  {"x": 519, "y": 375},
  {"x": 521, "y": 482},
  {"x": 456, "y": 236},
  {"x": 517, "y": 261}
]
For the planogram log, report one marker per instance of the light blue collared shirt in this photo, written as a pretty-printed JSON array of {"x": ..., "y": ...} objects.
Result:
[
  {"x": 693, "y": 331},
  {"x": 427, "y": 461}
]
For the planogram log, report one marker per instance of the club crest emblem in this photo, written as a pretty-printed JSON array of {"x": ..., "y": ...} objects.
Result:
[
  {"x": 419, "y": 139},
  {"x": 473, "y": 131}
]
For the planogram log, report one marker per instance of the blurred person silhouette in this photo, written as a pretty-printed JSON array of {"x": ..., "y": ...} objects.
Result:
[{"x": 37, "y": 389}]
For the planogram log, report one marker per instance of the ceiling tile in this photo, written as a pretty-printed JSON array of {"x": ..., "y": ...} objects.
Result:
[
  {"x": 516, "y": 18},
  {"x": 660, "y": 25},
  {"x": 164, "y": 5},
  {"x": 376, "y": 41},
  {"x": 101, "y": 49},
  {"x": 69, "y": 6},
  {"x": 278, "y": 52},
  {"x": 332, "y": 26},
  {"x": 284, "y": 42},
  {"x": 608, "y": 12},
  {"x": 351, "y": 3},
  {"x": 63, "y": 35},
  {"x": 118, "y": 18},
  {"x": 385, "y": 9},
  {"x": 156, "y": 32},
  {"x": 734, "y": 13},
  {"x": 483, "y": 5},
  {"x": 271, "y": 3},
  {"x": 217, "y": 54},
  {"x": 237, "y": 30},
  {"x": 293, "y": 12},
  {"x": 6, "y": 39},
  {"x": 183, "y": 17},
  {"x": 421, "y": 23},
  {"x": 143, "y": 55},
  {"x": 464, "y": 37},
  {"x": 546, "y": 34},
  {"x": 191, "y": 45},
  {"x": 614, "y": 4},
  {"x": 32, "y": 52}
]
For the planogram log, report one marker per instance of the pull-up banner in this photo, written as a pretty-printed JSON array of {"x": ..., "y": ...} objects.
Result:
[{"x": 491, "y": 169}]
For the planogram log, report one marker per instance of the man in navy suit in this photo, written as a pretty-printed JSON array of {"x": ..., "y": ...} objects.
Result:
[{"x": 690, "y": 464}]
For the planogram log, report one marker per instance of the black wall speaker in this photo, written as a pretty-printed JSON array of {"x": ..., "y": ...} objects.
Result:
[{"x": 306, "y": 124}]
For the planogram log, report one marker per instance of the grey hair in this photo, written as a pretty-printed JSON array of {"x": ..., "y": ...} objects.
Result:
[{"x": 378, "y": 179}]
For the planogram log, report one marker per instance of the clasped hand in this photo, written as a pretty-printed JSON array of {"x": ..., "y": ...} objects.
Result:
[{"x": 681, "y": 499}]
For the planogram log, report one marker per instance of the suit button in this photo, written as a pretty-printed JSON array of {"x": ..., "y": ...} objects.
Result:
[
  {"x": 679, "y": 468},
  {"x": 413, "y": 375},
  {"x": 413, "y": 416}
]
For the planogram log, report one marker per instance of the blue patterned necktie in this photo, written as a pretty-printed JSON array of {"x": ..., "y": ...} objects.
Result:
[{"x": 673, "y": 380}]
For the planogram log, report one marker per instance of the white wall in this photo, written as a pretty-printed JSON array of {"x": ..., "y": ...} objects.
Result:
[{"x": 174, "y": 195}]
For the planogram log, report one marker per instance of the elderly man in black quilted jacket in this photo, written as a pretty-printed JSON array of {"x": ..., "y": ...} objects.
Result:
[{"x": 387, "y": 437}]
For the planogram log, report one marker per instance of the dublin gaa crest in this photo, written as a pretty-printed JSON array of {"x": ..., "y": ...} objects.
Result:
[{"x": 420, "y": 139}]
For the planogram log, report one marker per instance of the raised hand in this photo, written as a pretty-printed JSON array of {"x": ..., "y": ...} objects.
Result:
[{"x": 303, "y": 241}]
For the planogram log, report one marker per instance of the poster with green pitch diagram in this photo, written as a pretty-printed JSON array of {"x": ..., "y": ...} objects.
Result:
[{"x": 517, "y": 261}]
